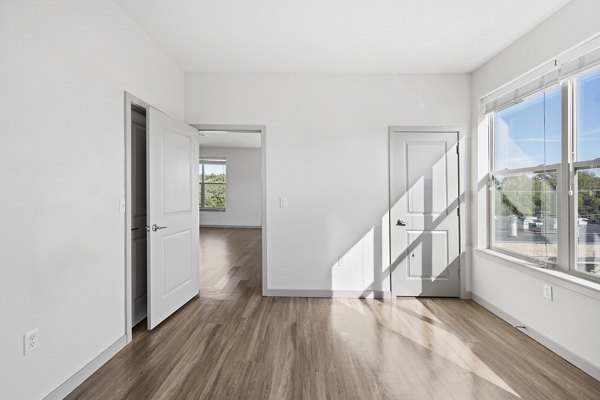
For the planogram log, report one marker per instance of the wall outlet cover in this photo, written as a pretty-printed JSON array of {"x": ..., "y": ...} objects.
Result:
[
  {"x": 548, "y": 292},
  {"x": 31, "y": 340}
]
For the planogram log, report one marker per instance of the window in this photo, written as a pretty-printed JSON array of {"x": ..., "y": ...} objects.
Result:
[
  {"x": 544, "y": 175},
  {"x": 587, "y": 182},
  {"x": 586, "y": 171},
  {"x": 213, "y": 184},
  {"x": 526, "y": 160}
]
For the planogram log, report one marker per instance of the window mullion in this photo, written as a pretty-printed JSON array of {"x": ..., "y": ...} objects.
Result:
[
  {"x": 563, "y": 183},
  {"x": 203, "y": 189}
]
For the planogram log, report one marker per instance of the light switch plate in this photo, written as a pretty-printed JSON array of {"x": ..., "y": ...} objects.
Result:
[{"x": 283, "y": 202}]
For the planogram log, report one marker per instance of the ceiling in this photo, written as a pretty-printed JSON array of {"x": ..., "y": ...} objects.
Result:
[
  {"x": 229, "y": 139},
  {"x": 330, "y": 36}
]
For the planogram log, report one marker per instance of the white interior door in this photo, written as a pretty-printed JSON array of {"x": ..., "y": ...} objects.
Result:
[
  {"x": 173, "y": 217},
  {"x": 425, "y": 225}
]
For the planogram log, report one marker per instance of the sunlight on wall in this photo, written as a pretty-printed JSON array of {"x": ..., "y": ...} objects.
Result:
[
  {"x": 360, "y": 257},
  {"x": 369, "y": 257}
]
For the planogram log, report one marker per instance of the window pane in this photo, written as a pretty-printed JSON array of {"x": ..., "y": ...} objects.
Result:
[
  {"x": 528, "y": 134},
  {"x": 215, "y": 173},
  {"x": 588, "y": 220},
  {"x": 214, "y": 195},
  {"x": 524, "y": 214},
  {"x": 588, "y": 116},
  {"x": 200, "y": 194}
]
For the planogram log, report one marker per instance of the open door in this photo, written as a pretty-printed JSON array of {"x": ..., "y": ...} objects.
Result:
[{"x": 173, "y": 219}]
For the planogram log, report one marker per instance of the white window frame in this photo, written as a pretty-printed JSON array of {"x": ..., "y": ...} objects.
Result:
[
  {"x": 215, "y": 161},
  {"x": 566, "y": 190},
  {"x": 573, "y": 167}
]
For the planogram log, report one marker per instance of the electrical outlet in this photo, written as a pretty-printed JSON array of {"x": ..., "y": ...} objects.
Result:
[
  {"x": 31, "y": 340},
  {"x": 548, "y": 292},
  {"x": 340, "y": 261}
]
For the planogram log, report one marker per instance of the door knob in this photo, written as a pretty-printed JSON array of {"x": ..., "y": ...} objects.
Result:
[
  {"x": 156, "y": 227},
  {"x": 400, "y": 223}
]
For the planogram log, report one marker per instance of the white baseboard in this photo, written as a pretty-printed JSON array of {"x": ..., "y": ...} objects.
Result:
[
  {"x": 575, "y": 359},
  {"x": 349, "y": 294},
  {"x": 70, "y": 384}
]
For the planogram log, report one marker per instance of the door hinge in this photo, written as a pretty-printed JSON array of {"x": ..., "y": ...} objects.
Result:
[
  {"x": 458, "y": 211},
  {"x": 457, "y": 151},
  {"x": 459, "y": 272}
]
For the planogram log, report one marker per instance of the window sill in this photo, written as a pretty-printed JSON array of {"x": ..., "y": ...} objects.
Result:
[
  {"x": 560, "y": 278},
  {"x": 213, "y": 209}
]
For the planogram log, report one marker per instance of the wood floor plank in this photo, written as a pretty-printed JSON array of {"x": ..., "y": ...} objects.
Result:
[{"x": 232, "y": 343}]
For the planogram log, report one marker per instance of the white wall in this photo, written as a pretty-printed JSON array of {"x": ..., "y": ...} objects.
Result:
[
  {"x": 327, "y": 152},
  {"x": 571, "y": 320},
  {"x": 243, "y": 187},
  {"x": 65, "y": 66}
]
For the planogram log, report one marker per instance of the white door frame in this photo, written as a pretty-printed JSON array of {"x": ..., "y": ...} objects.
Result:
[
  {"x": 263, "y": 174},
  {"x": 460, "y": 131}
]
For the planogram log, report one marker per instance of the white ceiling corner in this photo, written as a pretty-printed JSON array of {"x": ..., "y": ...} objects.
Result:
[{"x": 336, "y": 36}]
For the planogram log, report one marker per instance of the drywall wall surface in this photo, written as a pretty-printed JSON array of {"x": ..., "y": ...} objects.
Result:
[
  {"x": 566, "y": 320},
  {"x": 65, "y": 67},
  {"x": 327, "y": 156},
  {"x": 243, "y": 196}
]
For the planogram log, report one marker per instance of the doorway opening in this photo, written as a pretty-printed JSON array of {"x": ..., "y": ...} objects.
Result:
[
  {"x": 134, "y": 206},
  {"x": 161, "y": 215},
  {"x": 139, "y": 243},
  {"x": 232, "y": 193}
]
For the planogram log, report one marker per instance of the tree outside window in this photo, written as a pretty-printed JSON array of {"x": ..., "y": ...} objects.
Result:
[{"x": 213, "y": 184}]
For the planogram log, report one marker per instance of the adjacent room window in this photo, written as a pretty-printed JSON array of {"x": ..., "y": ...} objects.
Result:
[
  {"x": 213, "y": 184},
  {"x": 526, "y": 159}
]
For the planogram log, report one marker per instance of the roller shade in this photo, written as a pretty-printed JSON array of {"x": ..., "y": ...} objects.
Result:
[{"x": 569, "y": 63}]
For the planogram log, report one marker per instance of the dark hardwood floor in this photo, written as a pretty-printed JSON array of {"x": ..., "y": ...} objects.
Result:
[{"x": 232, "y": 343}]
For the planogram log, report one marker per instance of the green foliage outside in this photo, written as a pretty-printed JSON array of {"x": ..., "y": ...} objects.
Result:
[
  {"x": 214, "y": 178},
  {"x": 535, "y": 194},
  {"x": 588, "y": 199},
  {"x": 526, "y": 195},
  {"x": 214, "y": 191}
]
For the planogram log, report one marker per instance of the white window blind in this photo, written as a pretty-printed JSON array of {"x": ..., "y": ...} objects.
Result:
[
  {"x": 577, "y": 65},
  {"x": 569, "y": 63}
]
